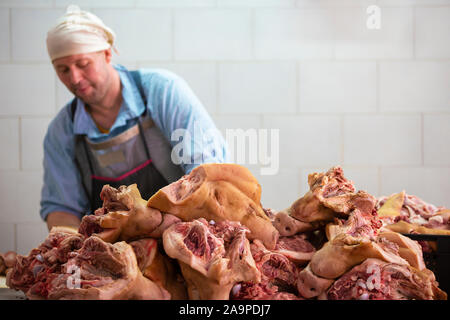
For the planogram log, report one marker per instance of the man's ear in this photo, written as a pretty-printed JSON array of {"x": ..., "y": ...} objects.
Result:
[{"x": 108, "y": 55}]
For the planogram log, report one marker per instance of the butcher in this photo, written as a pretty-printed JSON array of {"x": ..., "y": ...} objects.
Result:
[{"x": 122, "y": 127}]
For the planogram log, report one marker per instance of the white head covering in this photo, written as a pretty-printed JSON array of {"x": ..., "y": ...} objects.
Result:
[{"x": 78, "y": 32}]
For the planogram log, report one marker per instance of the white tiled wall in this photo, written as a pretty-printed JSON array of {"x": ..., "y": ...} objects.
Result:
[
  {"x": 394, "y": 39},
  {"x": 4, "y": 35},
  {"x": 264, "y": 88},
  {"x": 293, "y": 34},
  {"x": 376, "y": 102},
  {"x": 212, "y": 34},
  {"x": 432, "y": 32},
  {"x": 382, "y": 140},
  {"x": 415, "y": 86},
  {"x": 349, "y": 87},
  {"x": 10, "y": 142}
]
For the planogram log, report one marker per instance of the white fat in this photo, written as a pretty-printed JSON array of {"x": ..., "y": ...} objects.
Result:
[
  {"x": 361, "y": 284},
  {"x": 437, "y": 218},
  {"x": 371, "y": 282},
  {"x": 212, "y": 222},
  {"x": 417, "y": 220},
  {"x": 364, "y": 296},
  {"x": 236, "y": 289}
]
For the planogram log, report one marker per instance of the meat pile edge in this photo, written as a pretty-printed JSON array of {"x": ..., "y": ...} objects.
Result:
[{"x": 207, "y": 236}]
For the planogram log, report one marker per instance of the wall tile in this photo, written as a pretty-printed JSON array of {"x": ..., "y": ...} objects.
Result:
[
  {"x": 333, "y": 3},
  {"x": 140, "y": 34},
  {"x": 257, "y": 87},
  {"x": 429, "y": 184},
  {"x": 256, "y": 3},
  {"x": 175, "y": 3},
  {"x": 387, "y": 3},
  {"x": 355, "y": 41},
  {"x": 30, "y": 236},
  {"x": 20, "y": 194},
  {"x": 414, "y": 86},
  {"x": 337, "y": 87},
  {"x": 245, "y": 122},
  {"x": 286, "y": 180},
  {"x": 307, "y": 140},
  {"x": 87, "y": 4},
  {"x": 293, "y": 34},
  {"x": 29, "y": 29},
  {"x": 9, "y": 143},
  {"x": 364, "y": 178},
  {"x": 33, "y": 133},
  {"x": 436, "y": 140},
  {"x": 26, "y": 3},
  {"x": 212, "y": 34},
  {"x": 240, "y": 128},
  {"x": 27, "y": 89},
  {"x": 7, "y": 236},
  {"x": 432, "y": 32},
  {"x": 4, "y": 35},
  {"x": 382, "y": 140}
]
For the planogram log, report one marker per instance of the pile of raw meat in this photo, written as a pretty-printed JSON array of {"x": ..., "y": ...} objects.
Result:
[
  {"x": 7, "y": 261},
  {"x": 206, "y": 236}
]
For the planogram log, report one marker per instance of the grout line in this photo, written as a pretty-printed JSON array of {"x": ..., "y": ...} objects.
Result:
[
  {"x": 217, "y": 87},
  {"x": 15, "y": 236},
  {"x": 414, "y": 32},
  {"x": 10, "y": 35},
  {"x": 297, "y": 87},
  {"x": 342, "y": 132},
  {"x": 422, "y": 139},
  {"x": 379, "y": 181},
  {"x": 252, "y": 34},
  {"x": 20, "y": 143},
  {"x": 377, "y": 87},
  {"x": 27, "y": 116},
  {"x": 172, "y": 23},
  {"x": 33, "y": 170}
]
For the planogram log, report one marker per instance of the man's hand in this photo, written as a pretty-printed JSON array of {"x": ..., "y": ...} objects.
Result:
[{"x": 59, "y": 218}]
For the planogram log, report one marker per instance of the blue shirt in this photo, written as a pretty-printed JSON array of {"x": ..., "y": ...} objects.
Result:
[{"x": 171, "y": 104}]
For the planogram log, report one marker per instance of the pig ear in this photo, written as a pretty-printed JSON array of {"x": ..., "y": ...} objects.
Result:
[
  {"x": 393, "y": 205},
  {"x": 109, "y": 235},
  {"x": 113, "y": 219}
]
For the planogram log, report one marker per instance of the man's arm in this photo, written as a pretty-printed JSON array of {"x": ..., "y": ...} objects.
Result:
[
  {"x": 60, "y": 218},
  {"x": 62, "y": 194}
]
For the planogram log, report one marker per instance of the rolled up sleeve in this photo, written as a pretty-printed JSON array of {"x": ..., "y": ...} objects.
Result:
[{"x": 62, "y": 189}]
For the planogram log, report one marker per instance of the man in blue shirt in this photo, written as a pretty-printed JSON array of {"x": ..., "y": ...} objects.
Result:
[{"x": 123, "y": 127}]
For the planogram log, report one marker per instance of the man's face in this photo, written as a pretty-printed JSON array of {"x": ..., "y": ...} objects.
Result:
[{"x": 85, "y": 75}]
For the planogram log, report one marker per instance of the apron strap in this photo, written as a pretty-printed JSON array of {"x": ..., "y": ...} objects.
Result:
[
  {"x": 144, "y": 141},
  {"x": 80, "y": 140},
  {"x": 138, "y": 80}
]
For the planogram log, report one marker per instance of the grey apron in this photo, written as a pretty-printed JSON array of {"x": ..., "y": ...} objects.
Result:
[{"x": 140, "y": 155}]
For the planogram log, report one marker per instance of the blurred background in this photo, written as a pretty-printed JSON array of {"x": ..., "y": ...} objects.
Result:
[{"x": 375, "y": 101}]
